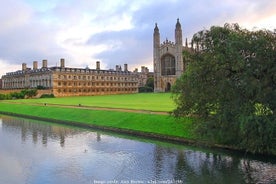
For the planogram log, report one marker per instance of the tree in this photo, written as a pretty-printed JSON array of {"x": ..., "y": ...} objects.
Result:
[
  {"x": 150, "y": 83},
  {"x": 230, "y": 86},
  {"x": 29, "y": 93},
  {"x": 149, "y": 86}
]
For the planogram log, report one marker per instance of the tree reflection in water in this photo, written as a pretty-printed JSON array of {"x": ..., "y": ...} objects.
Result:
[
  {"x": 168, "y": 161},
  {"x": 205, "y": 167},
  {"x": 38, "y": 130}
]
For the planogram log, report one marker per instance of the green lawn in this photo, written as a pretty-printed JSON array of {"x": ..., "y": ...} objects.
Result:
[
  {"x": 152, "y": 123},
  {"x": 144, "y": 122},
  {"x": 139, "y": 101}
]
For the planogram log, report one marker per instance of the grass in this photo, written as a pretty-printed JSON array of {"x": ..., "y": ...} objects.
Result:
[
  {"x": 139, "y": 101},
  {"x": 151, "y": 123}
]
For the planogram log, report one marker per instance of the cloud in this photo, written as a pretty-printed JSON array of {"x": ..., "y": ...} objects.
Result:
[
  {"x": 115, "y": 32},
  {"x": 126, "y": 46},
  {"x": 135, "y": 45},
  {"x": 23, "y": 37},
  {"x": 8, "y": 66}
]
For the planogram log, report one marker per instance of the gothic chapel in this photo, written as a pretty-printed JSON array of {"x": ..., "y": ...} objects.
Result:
[{"x": 168, "y": 60}]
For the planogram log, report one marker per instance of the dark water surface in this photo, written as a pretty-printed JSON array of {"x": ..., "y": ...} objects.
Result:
[{"x": 40, "y": 152}]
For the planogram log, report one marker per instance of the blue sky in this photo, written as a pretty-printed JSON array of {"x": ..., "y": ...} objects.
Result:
[{"x": 111, "y": 31}]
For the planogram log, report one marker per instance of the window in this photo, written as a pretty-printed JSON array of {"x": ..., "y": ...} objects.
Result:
[{"x": 168, "y": 65}]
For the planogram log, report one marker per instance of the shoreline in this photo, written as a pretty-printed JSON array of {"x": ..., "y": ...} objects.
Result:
[{"x": 124, "y": 131}]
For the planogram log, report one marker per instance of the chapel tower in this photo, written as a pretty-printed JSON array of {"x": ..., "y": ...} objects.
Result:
[{"x": 167, "y": 59}]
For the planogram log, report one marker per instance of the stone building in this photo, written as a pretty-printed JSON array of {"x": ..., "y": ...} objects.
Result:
[
  {"x": 143, "y": 76},
  {"x": 66, "y": 81},
  {"x": 168, "y": 62}
]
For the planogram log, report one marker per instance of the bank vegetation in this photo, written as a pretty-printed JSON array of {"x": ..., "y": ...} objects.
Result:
[{"x": 230, "y": 86}]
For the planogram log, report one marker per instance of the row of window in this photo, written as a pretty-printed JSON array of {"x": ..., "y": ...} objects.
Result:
[
  {"x": 76, "y": 70},
  {"x": 93, "y": 90},
  {"x": 95, "y": 84},
  {"x": 84, "y": 77},
  {"x": 22, "y": 84}
]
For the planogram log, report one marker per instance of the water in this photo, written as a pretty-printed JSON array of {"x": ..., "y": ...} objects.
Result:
[{"x": 39, "y": 152}]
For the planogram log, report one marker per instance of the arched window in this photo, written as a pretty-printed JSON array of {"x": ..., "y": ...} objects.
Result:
[{"x": 168, "y": 65}]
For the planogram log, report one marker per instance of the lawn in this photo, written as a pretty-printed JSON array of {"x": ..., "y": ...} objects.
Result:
[
  {"x": 143, "y": 122},
  {"x": 139, "y": 101},
  {"x": 150, "y": 123}
]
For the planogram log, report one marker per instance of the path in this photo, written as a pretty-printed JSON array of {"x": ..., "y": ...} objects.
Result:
[{"x": 96, "y": 108}]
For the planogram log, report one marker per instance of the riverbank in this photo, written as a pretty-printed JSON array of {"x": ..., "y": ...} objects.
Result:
[
  {"x": 148, "y": 125},
  {"x": 145, "y": 124}
]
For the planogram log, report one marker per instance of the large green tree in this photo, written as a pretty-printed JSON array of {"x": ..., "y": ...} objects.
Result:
[{"x": 230, "y": 87}]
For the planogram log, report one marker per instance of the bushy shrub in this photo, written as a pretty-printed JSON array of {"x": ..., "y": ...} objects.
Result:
[
  {"x": 145, "y": 89},
  {"x": 47, "y": 96}
]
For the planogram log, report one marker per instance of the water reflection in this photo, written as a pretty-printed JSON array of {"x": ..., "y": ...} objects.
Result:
[
  {"x": 36, "y": 152},
  {"x": 38, "y": 131}
]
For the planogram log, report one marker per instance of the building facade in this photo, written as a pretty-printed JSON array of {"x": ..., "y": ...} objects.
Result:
[
  {"x": 168, "y": 61},
  {"x": 168, "y": 65},
  {"x": 66, "y": 81}
]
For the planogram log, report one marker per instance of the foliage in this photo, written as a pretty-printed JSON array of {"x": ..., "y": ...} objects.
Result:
[
  {"x": 29, "y": 93},
  {"x": 230, "y": 86},
  {"x": 47, "y": 96},
  {"x": 40, "y": 87},
  {"x": 17, "y": 95},
  {"x": 145, "y": 89},
  {"x": 148, "y": 87},
  {"x": 150, "y": 82},
  {"x": 4, "y": 97},
  {"x": 25, "y": 93}
]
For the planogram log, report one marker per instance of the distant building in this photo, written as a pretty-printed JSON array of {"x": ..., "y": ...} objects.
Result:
[
  {"x": 143, "y": 76},
  {"x": 66, "y": 81},
  {"x": 168, "y": 62}
]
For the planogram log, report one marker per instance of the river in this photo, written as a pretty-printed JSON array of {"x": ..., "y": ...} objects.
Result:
[{"x": 35, "y": 152}]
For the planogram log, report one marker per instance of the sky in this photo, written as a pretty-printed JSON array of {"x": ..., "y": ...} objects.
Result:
[{"x": 113, "y": 32}]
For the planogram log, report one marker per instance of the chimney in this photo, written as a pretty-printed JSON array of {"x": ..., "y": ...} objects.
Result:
[
  {"x": 62, "y": 63},
  {"x": 24, "y": 66},
  {"x": 147, "y": 70},
  {"x": 125, "y": 68},
  {"x": 143, "y": 69},
  {"x": 44, "y": 63},
  {"x": 35, "y": 65},
  {"x": 98, "y": 65}
]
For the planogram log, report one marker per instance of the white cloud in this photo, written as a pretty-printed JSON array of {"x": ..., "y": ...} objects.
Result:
[
  {"x": 114, "y": 32},
  {"x": 8, "y": 67},
  {"x": 13, "y": 15}
]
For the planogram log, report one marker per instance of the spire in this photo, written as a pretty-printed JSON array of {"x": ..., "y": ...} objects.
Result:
[
  {"x": 186, "y": 42},
  {"x": 178, "y": 33},
  {"x": 156, "y": 29},
  {"x": 178, "y": 25},
  {"x": 156, "y": 37}
]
